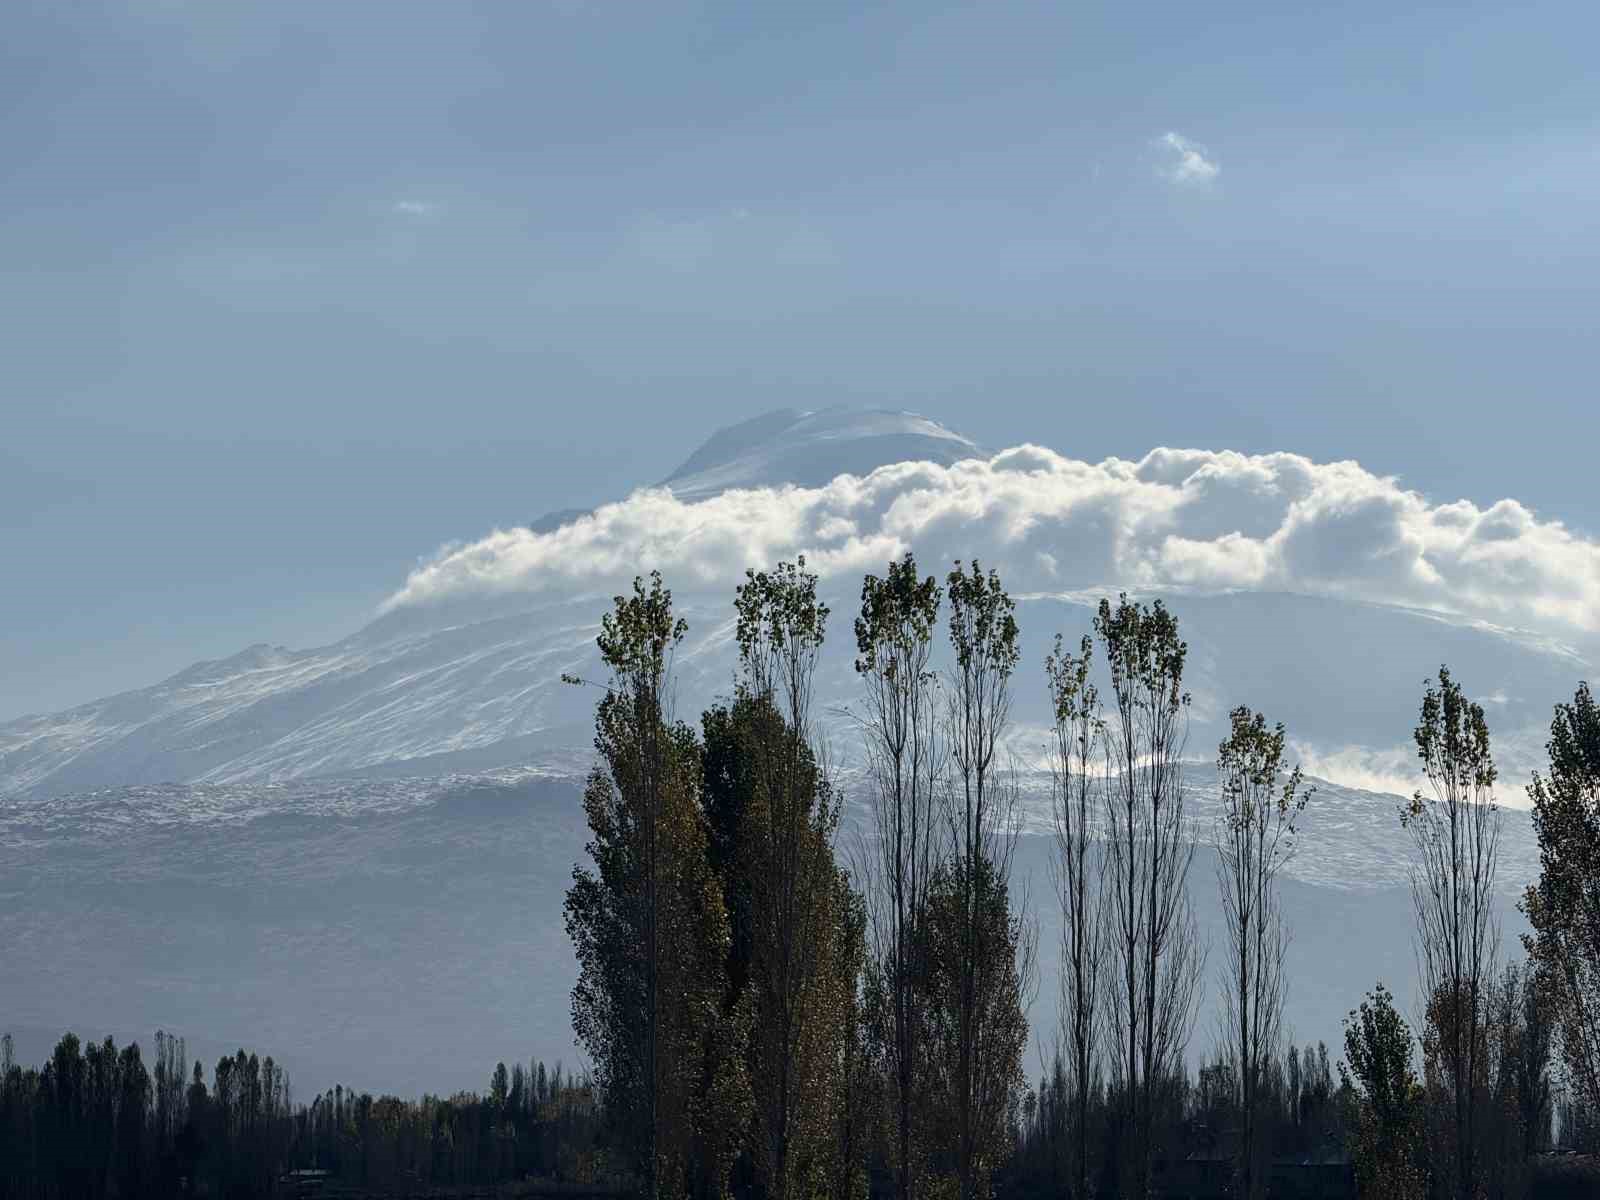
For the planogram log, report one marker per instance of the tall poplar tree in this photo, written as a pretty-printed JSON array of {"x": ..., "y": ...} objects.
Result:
[
  {"x": 785, "y": 862},
  {"x": 648, "y": 921},
  {"x": 981, "y": 952},
  {"x": 1154, "y": 940},
  {"x": 904, "y": 758},
  {"x": 1254, "y": 839},
  {"x": 1455, "y": 827},
  {"x": 1078, "y": 872}
]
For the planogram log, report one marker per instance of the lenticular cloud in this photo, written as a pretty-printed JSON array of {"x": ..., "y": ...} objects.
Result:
[{"x": 1206, "y": 520}]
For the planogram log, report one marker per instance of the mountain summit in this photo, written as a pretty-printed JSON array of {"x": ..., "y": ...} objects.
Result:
[
  {"x": 801, "y": 447},
  {"x": 809, "y": 449}
]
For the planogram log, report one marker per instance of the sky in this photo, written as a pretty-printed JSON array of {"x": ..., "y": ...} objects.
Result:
[{"x": 293, "y": 294}]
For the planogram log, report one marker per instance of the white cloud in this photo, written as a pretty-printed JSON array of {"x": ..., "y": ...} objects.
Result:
[
  {"x": 1186, "y": 162},
  {"x": 1176, "y": 518},
  {"x": 415, "y": 208}
]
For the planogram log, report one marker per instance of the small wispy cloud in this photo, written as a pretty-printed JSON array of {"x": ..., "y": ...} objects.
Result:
[
  {"x": 415, "y": 208},
  {"x": 1186, "y": 162}
]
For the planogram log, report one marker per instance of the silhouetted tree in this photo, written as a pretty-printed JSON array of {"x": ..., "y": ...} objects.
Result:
[{"x": 133, "y": 1105}]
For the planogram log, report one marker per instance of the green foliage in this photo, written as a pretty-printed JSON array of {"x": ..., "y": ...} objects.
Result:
[
  {"x": 1144, "y": 653},
  {"x": 638, "y": 636},
  {"x": 897, "y": 617},
  {"x": 983, "y": 624},
  {"x": 1250, "y": 762},
  {"x": 1074, "y": 699},
  {"x": 780, "y": 626},
  {"x": 1452, "y": 738}
]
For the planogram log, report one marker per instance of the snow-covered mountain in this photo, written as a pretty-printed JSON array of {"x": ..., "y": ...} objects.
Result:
[
  {"x": 462, "y": 670},
  {"x": 353, "y": 855}
]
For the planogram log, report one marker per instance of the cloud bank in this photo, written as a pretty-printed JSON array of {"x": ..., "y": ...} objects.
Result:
[{"x": 1196, "y": 519}]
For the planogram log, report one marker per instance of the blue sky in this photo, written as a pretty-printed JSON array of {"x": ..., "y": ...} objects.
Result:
[{"x": 294, "y": 293}]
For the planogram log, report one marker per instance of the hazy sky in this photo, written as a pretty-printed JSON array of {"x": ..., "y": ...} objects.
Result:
[{"x": 290, "y": 294}]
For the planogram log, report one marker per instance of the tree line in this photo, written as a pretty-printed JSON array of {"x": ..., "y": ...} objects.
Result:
[
  {"x": 96, "y": 1123},
  {"x": 780, "y": 999}
]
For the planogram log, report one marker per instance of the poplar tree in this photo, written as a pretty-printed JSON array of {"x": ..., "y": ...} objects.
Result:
[
  {"x": 785, "y": 862},
  {"x": 1455, "y": 829},
  {"x": 648, "y": 922},
  {"x": 1079, "y": 878},
  {"x": 904, "y": 761},
  {"x": 1154, "y": 940},
  {"x": 1254, "y": 839},
  {"x": 980, "y": 953}
]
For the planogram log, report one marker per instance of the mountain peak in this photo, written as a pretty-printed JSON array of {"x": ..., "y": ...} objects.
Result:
[{"x": 809, "y": 448}]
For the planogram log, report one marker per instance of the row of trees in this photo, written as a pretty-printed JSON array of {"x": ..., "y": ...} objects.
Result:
[
  {"x": 95, "y": 1122},
  {"x": 762, "y": 1019},
  {"x": 768, "y": 1023},
  {"x": 531, "y": 1122},
  {"x": 1301, "y": 1108}
]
